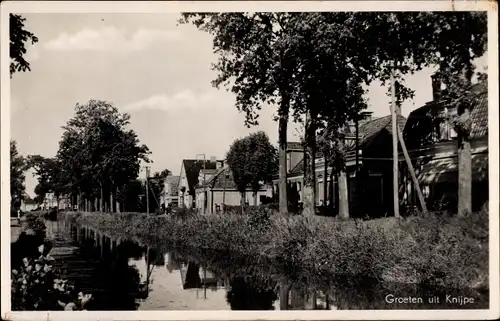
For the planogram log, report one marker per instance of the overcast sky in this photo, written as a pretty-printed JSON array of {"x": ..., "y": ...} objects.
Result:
[{"x": 150, "y": 67}]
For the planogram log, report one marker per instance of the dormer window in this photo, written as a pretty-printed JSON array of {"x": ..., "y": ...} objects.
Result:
[{"x": 445, "y": 128}]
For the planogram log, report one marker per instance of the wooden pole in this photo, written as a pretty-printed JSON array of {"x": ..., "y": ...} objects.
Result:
[
  {"x": 147, "y": 190},
  {"x": 224, "y": 190},
  {"x": 421, "y": 199},
  {"x": 395, "y": 167}
]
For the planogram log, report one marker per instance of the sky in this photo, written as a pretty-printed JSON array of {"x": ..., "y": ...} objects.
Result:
[{"x": 152, "y": 68}]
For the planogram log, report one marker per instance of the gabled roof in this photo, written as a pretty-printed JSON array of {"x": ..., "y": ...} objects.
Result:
[
  {"x": 192, "y": 168},
  {"x": 370, "y": 129},
  {"x": 367, "y": 132},
  {"x": 223, "y": 178},
  {"x": 419, "y": 128},
  {"x": 174, "y": 184},
  {"x": 479, "y": 114}
]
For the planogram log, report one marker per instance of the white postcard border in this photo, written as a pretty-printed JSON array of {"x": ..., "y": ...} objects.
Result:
[{"x": 200, "y": 6}]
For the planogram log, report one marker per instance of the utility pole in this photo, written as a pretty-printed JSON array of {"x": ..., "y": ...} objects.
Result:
[
  {"x": 224, "y": 190},
  {"x": 395, "y": 167},
  {"x": 204, "y": 179},
  {"x": 147, "y": 190},
  {"x": 398, "y": 136}
]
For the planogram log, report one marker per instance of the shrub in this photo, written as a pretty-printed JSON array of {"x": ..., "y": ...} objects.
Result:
[{"x": 35, "y": 285}]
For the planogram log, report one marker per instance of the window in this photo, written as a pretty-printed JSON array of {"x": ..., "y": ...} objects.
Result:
[{"x": 445, "y": 127}]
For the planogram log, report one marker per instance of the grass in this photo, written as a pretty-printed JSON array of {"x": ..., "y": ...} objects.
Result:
[{"x": 434, "y": 250}]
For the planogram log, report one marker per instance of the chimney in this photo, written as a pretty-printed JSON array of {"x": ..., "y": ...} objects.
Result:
[
  {"x": 365, "y": 117},
  {"x": 436, "y": 87}
]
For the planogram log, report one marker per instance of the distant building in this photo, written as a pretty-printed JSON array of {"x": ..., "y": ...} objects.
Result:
[
  {"x": 28, "y": 204},
  {"x": 220, "y": 189},
  {"x": 170, "y": 193},
  {"x": 189, "y": 179}
]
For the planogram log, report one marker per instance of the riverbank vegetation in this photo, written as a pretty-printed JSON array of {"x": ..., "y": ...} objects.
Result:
[
  {"x": 433, "y": 250},
  {"x": 35, "y": 284}
]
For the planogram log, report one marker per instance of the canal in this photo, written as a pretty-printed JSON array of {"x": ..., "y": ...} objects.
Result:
[{"x": 123, "y": 274}]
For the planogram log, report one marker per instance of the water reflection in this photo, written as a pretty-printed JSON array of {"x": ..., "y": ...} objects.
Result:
[{"x": 125, "y": 275}]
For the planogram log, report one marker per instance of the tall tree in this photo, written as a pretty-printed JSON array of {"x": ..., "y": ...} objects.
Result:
[
  {"x": 329, "y": 89},
  {"x": 19, "y": 37},
  {"x": 237, "y": 161},
  {"x": 262, "y": 162},
  {"x": 98, "y": 153},
  {"x": 17, "y": 177},
  {"x": 48, "y": 172},
  {"x": 256, "y": 62},
  {"x": 413, "y": 40},
  {"x": 448, "y": 40}
]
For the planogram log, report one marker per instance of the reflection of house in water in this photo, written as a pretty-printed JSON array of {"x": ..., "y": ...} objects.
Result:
[
  {"x": 433, "y": 148},
  {"x": 194, "y": 276}
]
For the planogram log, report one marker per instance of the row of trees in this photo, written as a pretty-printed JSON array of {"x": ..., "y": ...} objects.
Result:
[
  {"x": 314, "y": 68},
  {"x": 98, "y": 163}
]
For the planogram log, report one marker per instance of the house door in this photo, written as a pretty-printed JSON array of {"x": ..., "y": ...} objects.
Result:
[{"x": 374, "y": 195}]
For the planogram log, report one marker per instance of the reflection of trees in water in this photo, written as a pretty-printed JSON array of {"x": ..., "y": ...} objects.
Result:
[
  {"x": 117, "y": 284},
  {"x": 244, "y": 295},
  {"x": 155, "y": 257}
]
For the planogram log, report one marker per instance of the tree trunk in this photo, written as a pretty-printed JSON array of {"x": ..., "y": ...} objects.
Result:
[
  {"x": 464, "y": 170},
  {"x": 101, "y": 201},
  {"x": 325, "y": 183},
  {"x": 282, "y": 142},
  {"x": 111, "y": 210},
  {"x": 332, "y": 192},
  {"x": 78, "y": 201},
  {"x": 464, "y": 146},
  {"x": 310, "y": 168},
  {"x": 343, "y": 191},
  {"x": 255, "y": 202},
  {"x": 242, "y": 202},
  {"x": 284, "y": 293}
]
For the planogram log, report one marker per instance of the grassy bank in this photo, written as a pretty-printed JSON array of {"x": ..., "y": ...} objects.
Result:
[{"x": 435, "y": 250}]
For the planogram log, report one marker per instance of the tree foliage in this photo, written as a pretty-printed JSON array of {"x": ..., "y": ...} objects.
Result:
[
  {"x": 97, "y": 152},
  {"x": 237, "y": 161},
  {"x": 327, "y": 58},
  {"x": 253, "y": 161},
  {"x": 17, "y": 177},
  {"x": 19, "y": 37},
  {"x": 256, "y": 61},
  {"x": 262, "y": 162},
  {"x": 48, "y": 172}
]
